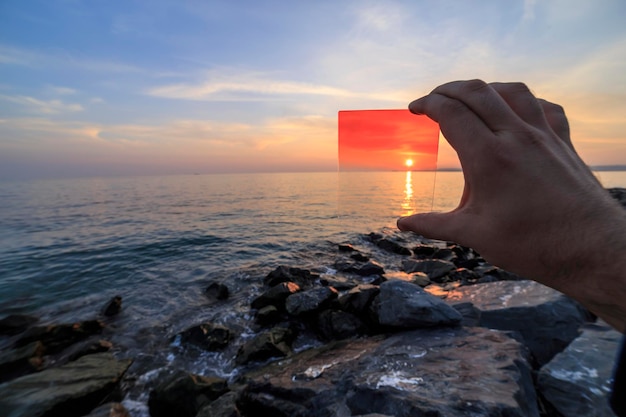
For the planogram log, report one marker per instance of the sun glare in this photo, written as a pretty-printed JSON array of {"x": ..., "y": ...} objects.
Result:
[{"x": 408, "y": 163}]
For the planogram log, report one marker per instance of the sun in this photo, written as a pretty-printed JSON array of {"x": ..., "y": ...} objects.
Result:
[{"x": 408, "y": 163}]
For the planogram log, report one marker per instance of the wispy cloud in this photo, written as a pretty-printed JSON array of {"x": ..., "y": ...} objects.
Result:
[{"x": 34, "y": 105}]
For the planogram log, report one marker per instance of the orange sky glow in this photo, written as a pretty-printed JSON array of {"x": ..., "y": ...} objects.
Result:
[{"x": 384, "y": 140}]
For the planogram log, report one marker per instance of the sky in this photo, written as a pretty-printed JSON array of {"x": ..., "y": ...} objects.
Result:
[{"x": 98, "y": 88}]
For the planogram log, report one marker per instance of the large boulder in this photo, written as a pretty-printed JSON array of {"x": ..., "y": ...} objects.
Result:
[
  {"x": 73, "y": 389},
  {"x": 184, "y": 394},
  {"x": 271, "y": 343},
  {"x": 436, "y": 372},
  {"x": 310, "y": 301},
  {"x": 577, "y": 381},
  {"x": 546, "y": 320},
  {"x": 406, "y": 305}
]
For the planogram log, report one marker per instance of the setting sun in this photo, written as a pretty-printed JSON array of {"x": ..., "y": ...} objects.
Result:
[{"x": 408, "y": 163}]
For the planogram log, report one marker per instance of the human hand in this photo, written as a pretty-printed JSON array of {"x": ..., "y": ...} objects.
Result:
[{"x": 530, "y": 204}]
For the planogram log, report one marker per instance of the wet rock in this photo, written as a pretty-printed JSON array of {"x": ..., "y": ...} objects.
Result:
[
  {"x": 88, "y": 348},
  {"x": 546, "y": 319},
  {"x": 21, "y": 361},
  {"x": 58, "y": 337},
  {"x": 403, "y": 304},
  {"x": 73, "y": 389},
  {"x": 276, "y": 295},
  {"x": 359, "y": 257},
  {"x": 471, "y": 315},
  {"x": 224, "y": 406},
  {"x": 303, "y": 277},
  {"x": 113, "y": 307},
  {"x": 346, "y": 247},
  {"x": 338, "y": 325},
  {"x": 184, "y": 394},
  {"x": 217, "y": 291},
  {"x": 445, "y": 254},
  {"x": 434, "y": 268},
  {"x": 338, "y": 283},
  {"x": 421, "y": 279},
  {"x": 109, "y": 410},
  {"x": 310, "y": 301},
  {"x": 16, "y": 323},
  {"x": 424, "y": 251},
  {"x": 369, "y": 269},
  {"x": 359, "y": 299},
  {"x": 207, "y": 336},
  {"x": 393, "y": 247},
  {"x": 577, "y": 381},
  {"x": 450, "y": 372},
  {"x": 463, "y": 275},
  {"x": 268, "y": 315},
  {"x": 272, "y": 343}
]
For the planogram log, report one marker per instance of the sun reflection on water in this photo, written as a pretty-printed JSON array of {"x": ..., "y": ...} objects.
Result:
[{"x": 408, "y": 204}]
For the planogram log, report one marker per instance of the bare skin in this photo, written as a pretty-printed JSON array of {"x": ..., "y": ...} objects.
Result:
[{"x": 530, "y": 204}]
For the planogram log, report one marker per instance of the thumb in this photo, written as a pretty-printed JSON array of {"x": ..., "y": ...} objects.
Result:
[{"x": 439, "y": 226}]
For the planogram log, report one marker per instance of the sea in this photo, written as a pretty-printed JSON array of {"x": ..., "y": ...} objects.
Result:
[{"x": 67, "y": 246}]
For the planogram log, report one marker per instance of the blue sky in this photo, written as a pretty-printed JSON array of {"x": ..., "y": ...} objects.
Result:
[{"x": 175, "y": 87}]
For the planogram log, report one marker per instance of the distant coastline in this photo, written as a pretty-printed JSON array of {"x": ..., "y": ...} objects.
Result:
[{"x": 608, "y": 168}]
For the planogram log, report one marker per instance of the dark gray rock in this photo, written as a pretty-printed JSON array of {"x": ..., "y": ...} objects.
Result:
[
  {"x": 58, "y": 337},
  {"x": 404, "y": 304},
  {"x": 546, "y": 319},
  {"x": 21, "y": 361},
  {"x": 275, "y": 296},
  {"x": 88, "y": 347},
  {"x": 424, "y": 251},
  {"x": 310, "y": 301},
  {"x": 16, "y": 323},
  {"x": 454, "y": 372},
  {"x": 359, "y": 257},
  {"x": 272, "y": 343},
  {"x": 267, "y": 315},
  {"x": 346, "y": 247},
  {"x": 113, "y": 307},
  {"x": 217, "y": 291},
  {"x": 110, "y": 410},
  {"x": 471, "y": 315},
  {"x": 338, "y": 283},
  {"x": 73, "y": 389},
  {"x": 359, "y": 299},
  {"x": 370, "y": 268},
  {"x": 434, "y": 268},
  {"x": 208, "y": 336},
  {"x": 577, "y": 381},
  {"x": 303, "y": 277},
  {"x": 184, "y": 394},
  {"x": 224, "y": 406},
  {"x": 338, "y": 325},
  {"x": 393, "y": 247}
]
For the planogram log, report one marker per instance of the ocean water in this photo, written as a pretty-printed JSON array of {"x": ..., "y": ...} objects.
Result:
[{"x": 68, "y": 246}]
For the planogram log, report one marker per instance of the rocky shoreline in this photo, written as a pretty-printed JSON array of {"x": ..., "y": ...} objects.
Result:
[{"x": 443, "y": 333}]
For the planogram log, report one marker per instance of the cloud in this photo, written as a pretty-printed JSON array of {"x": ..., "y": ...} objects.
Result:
[
  {"x": 232, "y": 85},
  {"x": 61, "y": 91},
  {"x": 34, "y": 105}
]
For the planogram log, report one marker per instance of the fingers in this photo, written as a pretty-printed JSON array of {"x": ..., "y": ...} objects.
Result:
[
  {"x": 480, "y": 98},
  {"x": 438, "y": 226},
  {"x": 525, "y": 105},
  {"x": 555, "y": 116}
]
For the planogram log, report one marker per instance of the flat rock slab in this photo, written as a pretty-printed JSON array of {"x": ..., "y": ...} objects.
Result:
[
  {"x": 546, "y": 319},
  {"x": 72, "y": 389},
  {"x": 577, "y": 382},
  {"x": 448, "y": 372}
]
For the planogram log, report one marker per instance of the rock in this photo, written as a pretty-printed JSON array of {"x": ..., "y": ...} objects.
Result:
[
  {"x": 434, "y": 268},
  {"x": 359, "y": 257},
  {"x": 303, "y": 277},
  {"x": 16, "y": 323},
  {"x": 113, "y": 307},
  {"x": 21, "y": 361},
  {"x": 224, "y": 406},
  {"x": 338, "y": 325},
  {"x": 577, "y": 381},
  {"x": 57, "y": 337},
  {"x": 450, "y": 372},
  {"x": 403, "y": 304},
  {"x": 463, "y": 275},
  {"x": 88, "y": 348},
  {"x": 275, "y": 296},
  {"x": 445, "y": 254},
  {"x": 310, "y": 301},
  {"x": 217, "y": 291},
  {"x": 393, "y": 247},
  {"x": 184, "y": 394},
  {"x": 265, "y": 345},
  {"x": 208, "y": 336},
  {"x": 370, "y": 268},
  {"x": 421, "y": 279},
  {"x": 546, "y": 319},
  {"x": 471, "y": 315},
  {"x": 359, "y": 299},
  {"x": 73, "y": 389},
  {"x": 109, "y": 410},
  {"x": 424, "y": 251},
  {"x": 346, "y": 247},
  {"x": 338, "y": 283},
  {"x": 267, "y": 315}
]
